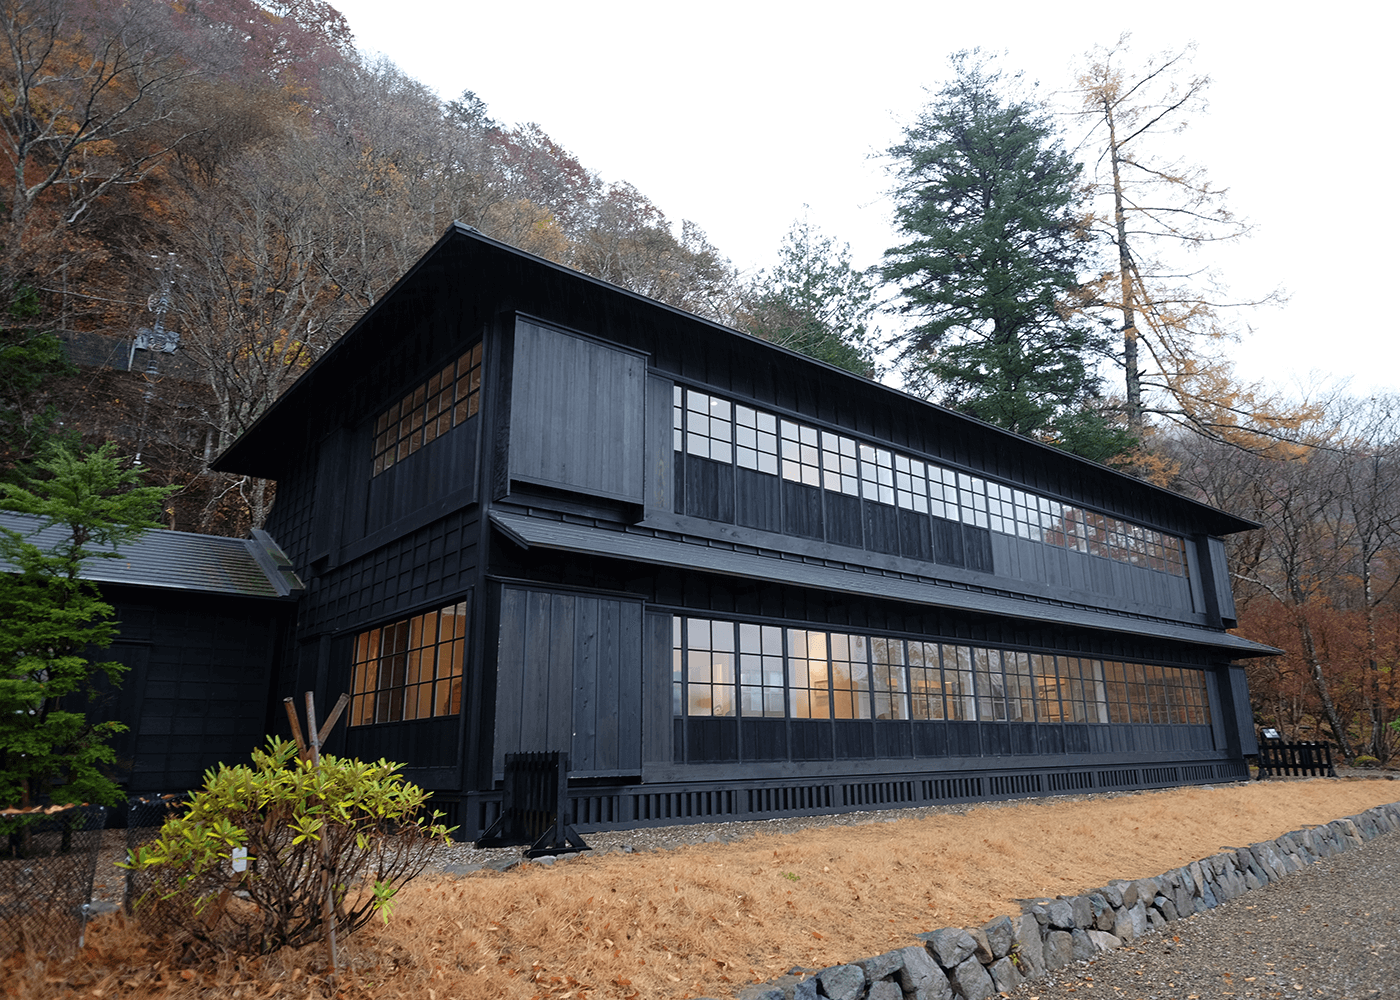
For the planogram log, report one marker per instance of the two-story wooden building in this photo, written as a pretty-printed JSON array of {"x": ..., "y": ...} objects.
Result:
[{"x": 534, "y": 511}]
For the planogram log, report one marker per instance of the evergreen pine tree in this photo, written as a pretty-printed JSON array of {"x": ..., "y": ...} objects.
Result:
[
  {"x": 50, "y": 618},
  {"x": 815, "y": 302},
  {"x": 989, "y": 204}
]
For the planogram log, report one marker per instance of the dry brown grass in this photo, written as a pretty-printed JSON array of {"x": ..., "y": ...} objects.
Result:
[{"x": 710, "y": 918}]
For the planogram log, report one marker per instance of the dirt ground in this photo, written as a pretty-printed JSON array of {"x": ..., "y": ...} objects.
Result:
[{"x": 707, "y": 919}]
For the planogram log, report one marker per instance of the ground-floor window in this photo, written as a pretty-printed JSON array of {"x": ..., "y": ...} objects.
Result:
[
  {"x": 410, "y": 669},
  {"x": 727, "y": 669}
]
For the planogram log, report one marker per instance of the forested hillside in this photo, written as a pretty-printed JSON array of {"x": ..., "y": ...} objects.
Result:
[{"x": 239, "y": 176}]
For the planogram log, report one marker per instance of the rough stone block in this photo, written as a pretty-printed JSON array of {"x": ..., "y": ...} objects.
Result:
[
  {"x": 1208, "y": 897},
  {"x": 1128, "y": 890},
  {"x": 920, "y": 975},
  {"x": 881, "y": 966},
  {"x": 1080, "y": 946},
  {"x": 1039, "y": 909},
  {"x": 806, "y": 990},
  {"x": 1029, "y": 947},
  {"x": 1138, "y": 913},
  {"x": 1083, "y": 911},
  {"x": 1061, "y": 915},
  {"x": 1123, "y": 925},
  {"x": 1103, "y": 941},
  {"x": 885, "y": 990},
  {"x": 1103, "y": 912},
  {"x": 1113, "y": 894},
  {"x": 1198, "y": 878},
  {"x": 1155, "y": 919},
  {"x": 842, "y": 982},
  {"x": 1269, "y": 860},
  {"x": 949, "y": 945},
  {"x": 1253, "y": 881},
  {"x": 1005, "y": 976},
  {"x": 1059, "y": 949},
  {"x": 971, "y": 981},
  {"x": 1000, "y": 936},
  {"x": 983, "y": 951},
  {"x": 1147, "y": 888}
]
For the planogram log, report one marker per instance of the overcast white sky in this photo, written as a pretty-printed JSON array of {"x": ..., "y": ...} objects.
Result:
[{"x": 736, "y": 115}]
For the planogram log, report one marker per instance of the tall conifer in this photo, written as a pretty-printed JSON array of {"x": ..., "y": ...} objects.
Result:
[{"x": 995, "y": 240}]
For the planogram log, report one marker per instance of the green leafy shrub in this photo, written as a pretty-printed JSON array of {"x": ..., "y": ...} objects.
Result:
[{"x": 278, "y": 813}]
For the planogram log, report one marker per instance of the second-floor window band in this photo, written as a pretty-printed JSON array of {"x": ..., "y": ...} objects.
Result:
[
  {"x": 449, "y": 398},
  {"x": 714, "y": 428}
]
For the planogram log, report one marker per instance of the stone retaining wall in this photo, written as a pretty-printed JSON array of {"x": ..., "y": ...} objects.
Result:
[{"x": 975, "y": 963}]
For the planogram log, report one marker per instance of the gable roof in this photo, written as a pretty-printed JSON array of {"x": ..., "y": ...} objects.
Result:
[
  {"x": 464, "y": 259},
  {"x": 180, "y": 560}
]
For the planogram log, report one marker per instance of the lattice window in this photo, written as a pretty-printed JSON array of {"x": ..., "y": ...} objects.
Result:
[
  {"x": 801, "y": 454},
  {"x": 709, "y": 427},
  {"x": 809, "y": 682},
  {"x": 1001, "y": 512},
  {"x": 839, "y": 472},
  {"x": 761, "y": 682},
  {"x": 888, "y": 677},
  {"x": 1020, "y": 687},
  {"x": 709, "y": 668},
  {"x": 925, "y": 681},
  {"x": 877, "y": 474},
  {"x": 850, "y": 676},
  {"x": 756, "y": 439},
  {"x": 410, "y": 669},
  {"x": 911, "y": 483},
  {"x": 958, "y": 683},
  {"x": 450, "y": 397},
  {"x": 991, "y": 684},
  {"x": 943, "y": 493},
  {"x": 972, "y": 498},
  {"x": 678, "y": 418}
]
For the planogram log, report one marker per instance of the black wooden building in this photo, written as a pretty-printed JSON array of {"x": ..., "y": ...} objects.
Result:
[
  {"x": 535, "y": 511},
  {"x": 201, "y": 622}
]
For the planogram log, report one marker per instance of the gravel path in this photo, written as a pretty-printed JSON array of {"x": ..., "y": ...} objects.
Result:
[
  {"x": 1331, "y": 930},
  {"x": 457, "y": 858}
]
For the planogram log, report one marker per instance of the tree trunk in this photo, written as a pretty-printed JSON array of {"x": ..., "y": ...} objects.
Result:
[
  {"x": 1133, "y": 386},
  {"x": 1320, "y": 684}
]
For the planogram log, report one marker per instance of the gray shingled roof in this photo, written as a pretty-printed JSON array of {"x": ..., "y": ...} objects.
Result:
[{"x": 179, "y": 560}]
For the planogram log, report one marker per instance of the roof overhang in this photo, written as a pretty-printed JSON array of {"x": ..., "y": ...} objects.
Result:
[
  {"x": 563, "y": 536},
  {"x": 177, "y": 560}
]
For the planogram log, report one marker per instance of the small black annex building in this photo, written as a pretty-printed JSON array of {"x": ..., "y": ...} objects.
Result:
[
  {"x": 534, "y": 511},
  {"x": 200, "y": 623}
]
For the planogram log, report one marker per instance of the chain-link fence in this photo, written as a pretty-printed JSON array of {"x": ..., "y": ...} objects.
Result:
[
  {"x": 47, "y": 863},
  {"x": 145, "y": 889}
]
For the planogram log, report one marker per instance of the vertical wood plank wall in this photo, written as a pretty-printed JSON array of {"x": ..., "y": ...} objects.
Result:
[
  {"x": 569, "y": 677},
  {"x": 577, "y": 414}
]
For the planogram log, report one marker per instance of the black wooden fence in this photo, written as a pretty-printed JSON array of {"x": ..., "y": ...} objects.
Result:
[
  {"x": 534, "y": 810},
  {"x": 1277, "y": 758}
]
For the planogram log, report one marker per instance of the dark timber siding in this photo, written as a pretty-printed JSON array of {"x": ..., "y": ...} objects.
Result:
[
  {"x": 569, "y": 677},
  {"x": 577, "y": 414},
  {"x": 196, "y": 691},
  {"x": 440, "y": 469}
]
